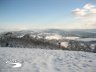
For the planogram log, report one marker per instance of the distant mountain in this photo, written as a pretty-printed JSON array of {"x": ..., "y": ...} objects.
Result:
[
  {"x": 50, "y": 38},
  {"x": 74, "y": 32}
]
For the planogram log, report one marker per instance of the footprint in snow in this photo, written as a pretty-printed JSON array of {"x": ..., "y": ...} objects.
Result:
[{"x": 14, "y": 65}]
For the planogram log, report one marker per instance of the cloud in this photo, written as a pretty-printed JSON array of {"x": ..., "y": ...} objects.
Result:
[
  {"x": 93, "y": 10},
  {"x": 86, "y": 14},
  {"x": 86, "y": 10},
  {"x": 88, "y": 6},
  {"x": 79, "y": 12}
]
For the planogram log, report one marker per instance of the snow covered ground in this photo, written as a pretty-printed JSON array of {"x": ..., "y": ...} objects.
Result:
[
  {"x": 39, "y": 60},
  {"x": 71, "y": 38},
  {"x": 55, "y": 37},
  {"x": 86, "y": 39}
]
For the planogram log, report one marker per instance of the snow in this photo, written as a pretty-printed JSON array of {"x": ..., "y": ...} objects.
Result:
[
  {"x": 93, "y": 46},
  {"x": 64, "y": 44},
  {"x": 20, "y": 36},
  {"x": 56, "y": 37},
  {"x": 15, "y": 65},
  {"x": 40, "y": 60},
  {"x": 71, "y": 38},
  {"x": 86, "y": 39}
]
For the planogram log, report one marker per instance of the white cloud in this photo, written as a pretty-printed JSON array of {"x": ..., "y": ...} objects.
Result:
[
  {"x": 79, "y": 12},
  {"x": 86, "y": 10},
  {"x": 86, "y": 14},
  {"x": 93, "y": 10},
  {"x": 88, "y": 6}
]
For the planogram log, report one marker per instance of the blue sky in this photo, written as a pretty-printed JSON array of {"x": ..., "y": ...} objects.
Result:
[{"x": 30, "y": 14}]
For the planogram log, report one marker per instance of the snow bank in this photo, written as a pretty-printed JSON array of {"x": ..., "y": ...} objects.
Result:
[
  {"x": 86, "y": 39},
  {"x": 64, "y": 44},
  {"x": 71, "y": 38},
  {"x": 56, "y": 37},
  {"x": 39, "y": 60},
  {"x": 20, "y": 36}
]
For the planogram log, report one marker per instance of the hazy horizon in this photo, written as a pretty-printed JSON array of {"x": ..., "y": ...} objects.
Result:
[{"x": 47, "y": 14}]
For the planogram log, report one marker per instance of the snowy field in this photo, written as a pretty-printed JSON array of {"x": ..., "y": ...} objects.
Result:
[
  {"x": 86, "y": 39},
  {"x": 39, "y": 60}
]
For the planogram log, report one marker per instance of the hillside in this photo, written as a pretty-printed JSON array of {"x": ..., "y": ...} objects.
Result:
[
  {"x": 75, "y": 40},
  {"x": 39, "y": 60}
]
